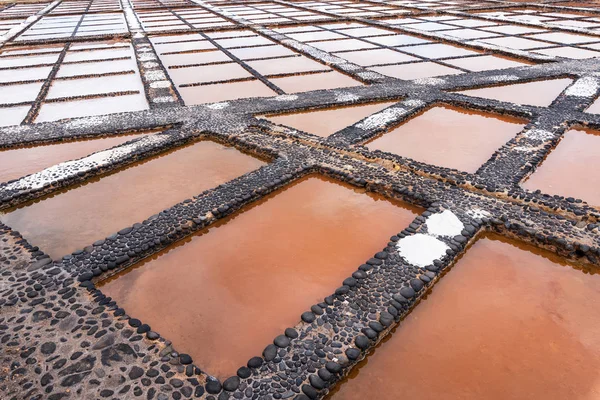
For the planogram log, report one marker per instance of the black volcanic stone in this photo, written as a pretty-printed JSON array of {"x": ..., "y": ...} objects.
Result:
[
  {"x": 231, "y": 383},
  {"x": 309, "y": 391},
  {"x": 308, "y": 317},
  {"x": 48, "y": 348},
  {"x": 316, "y": 382},
  {"x": 134, "y": 322},
  {"x": 333, "y": 367},
  {"x": 152, "y": 335},
  {"x": 352, "y": 353},
  {"x": 376, "y": 326},
  {"x": 416, "y": 284},
  {"x": 185, "y": 359},
  {"x": 362, "y": 342},
  {"x": 244, "y": 372},
  {"x": 325, "y": 374},
  {"x": 291, "y": 333},
  {"x": 282, "y": 341},
  {"x": 255, "y": 362},
  {"x": 135, "y": 372},
  {"x": 213, "y": 386},
  {"x": 407, "y": 292},
  {"x": 270, "y": 352}
]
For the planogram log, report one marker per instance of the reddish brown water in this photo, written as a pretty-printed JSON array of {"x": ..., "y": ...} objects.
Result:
[
  {"x": 325, "y": 122},
  {"x": 540, "y": 93},
  {"x": 594, "y": 108},
  {"x": 415, "y": 70},
  {"x": 568, "y": 170},
  {"x": 74, "y": 219},
  {"x": 450, "y": 137},
  {"x": 17, "y": 163},
  {"x": 486, "y": 63},
  {"x": 225, "y": 295},
  {"x": 304, "y": 83},
  {"x": 507, "y": 322},
  {"x": 224, "y": 91}
]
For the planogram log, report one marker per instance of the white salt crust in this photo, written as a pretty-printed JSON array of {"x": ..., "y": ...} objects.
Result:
[
  {"x": 163, "y": 99},
  {"x": 381, "y": 118},
  {"x": 218, "y": 106},
  {"x": 286, "y": 97},
  {"x": 584, "y": 87},
  {"x": 539, "y": 134},
  {"x": 421, "y": 250},
  {"x": 344, "y": 96},
  {"x": 444, "y": 224},
  {"x": 430, "y": 81}
]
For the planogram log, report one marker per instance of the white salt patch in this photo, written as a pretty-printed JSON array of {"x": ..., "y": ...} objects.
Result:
[
  {"x": 413, "y": 103},
  {"x": 218, "y": 106},
  {"x": 286, "y": 97},
  {"x": 381, "y": 118},
  {"x": 160, "y": 84},
  {"x": 163, "y": 99},
  {"x": 371, "y": 75},
  {"x": 344, "y": 96},
  {"x": 445, "y": 223},
  {"x": 421, "y": 250},
  {"x": 504, "y": 78},
  {"x": 86, "y": 122},
  {"x": 72, "y": 168},
  {"x": 584, "y": 87},
  {"x": 429, "y": 81},
  {"x": 147, "y": 57},
  {"x": 539, "y": 134},
  {"x": 155, "y": 75}
]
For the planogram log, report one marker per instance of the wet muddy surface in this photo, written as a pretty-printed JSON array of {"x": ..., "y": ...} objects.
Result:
[
  {"x": 76, "y": 218},
  {"x": 577, "y": 151},
  {"x": 449, "y": 137},
  {"x": 224, "y": 295},
  {"x": 507, "y": 322}
]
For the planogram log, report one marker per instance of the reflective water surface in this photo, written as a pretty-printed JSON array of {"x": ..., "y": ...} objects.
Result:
[
  {"x": 507, "y": 322},
  {"x": 450, "y": 137},
  {"x": 566, "y": 170},
  {"x": 225, "y": 294},
  {"x": 76, "y": 218},
  {"x": 326, "y": 122}
]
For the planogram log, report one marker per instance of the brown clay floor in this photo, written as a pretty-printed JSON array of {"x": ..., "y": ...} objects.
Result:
[
  {"x": 449, "y": 137},
  {"x": 326, "y": 122},
  {"x": 507, "y": 322},
  {"x": 20, "y": 162},
  {"x": 566, "y": 170},
  {"x": 227, "y": 293},
  {"x": 63, "y": 223}
]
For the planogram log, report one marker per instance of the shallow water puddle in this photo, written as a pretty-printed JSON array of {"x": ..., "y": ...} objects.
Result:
[
  {"x": 541, "y": 93},
  {"x": 17, "y": 163},
  {"x": 507, "y": 322},
  {"x": 566, "y": 170},
  {"x": 326, "y": 122},
  {"x": 76, "y": 218},
  {"x": 449, "y": 137},
  {"x": 236, "y": 286}
]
